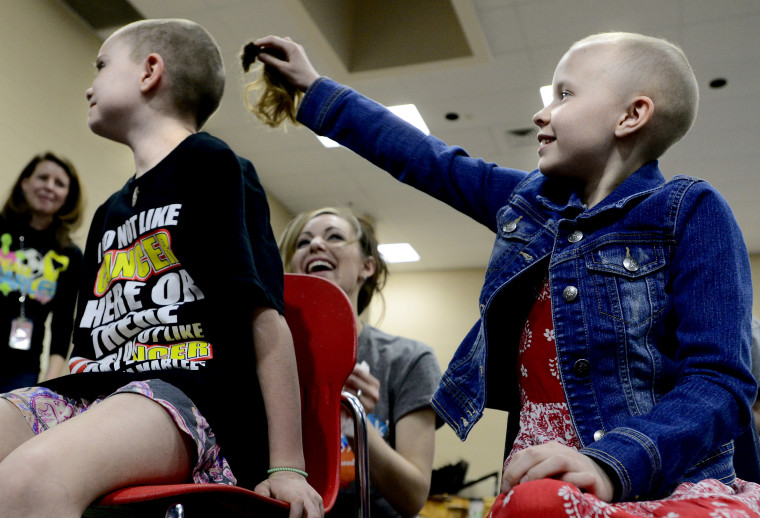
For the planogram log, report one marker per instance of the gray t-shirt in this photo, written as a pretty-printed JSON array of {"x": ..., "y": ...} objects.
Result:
[{"x": 408, "y": 373}]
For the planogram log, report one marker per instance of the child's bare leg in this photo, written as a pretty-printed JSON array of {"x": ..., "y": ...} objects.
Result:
[
  {"x": 14, "y": 430},
  {"x": 125, "y": 440}
]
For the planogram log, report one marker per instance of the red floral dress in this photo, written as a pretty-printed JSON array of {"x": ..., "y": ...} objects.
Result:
[{"x": 544, "y": 417}]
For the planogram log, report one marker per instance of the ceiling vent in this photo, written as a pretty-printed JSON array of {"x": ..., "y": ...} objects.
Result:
[{"x": 520, "y": 137}]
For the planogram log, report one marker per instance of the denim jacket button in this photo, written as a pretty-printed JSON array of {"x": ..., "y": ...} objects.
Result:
[
  {"x": 630, "y": 264},
  {"x": 575, "y": 236},
  {"x": 510, "y": 226},
  {"x": 581, "y": 367},
  {"x": 569, "y": 293},
  {"x": 599, "y": 434}
]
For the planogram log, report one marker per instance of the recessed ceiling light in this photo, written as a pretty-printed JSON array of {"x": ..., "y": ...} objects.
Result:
[
  {"x": 718, "y": 82},
  {"x": 398, "y": 253},
  {"x": 522, "y": 132}
]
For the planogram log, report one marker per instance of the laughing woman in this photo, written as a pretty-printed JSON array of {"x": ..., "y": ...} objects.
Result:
[
  {"x": 39, "y": 269},
  {"x": 394, "y": 377}
]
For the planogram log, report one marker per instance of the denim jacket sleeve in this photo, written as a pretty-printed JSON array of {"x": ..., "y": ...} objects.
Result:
[
  {"x": 709, "y": 405},
  {"x": 471, "y": 186}
]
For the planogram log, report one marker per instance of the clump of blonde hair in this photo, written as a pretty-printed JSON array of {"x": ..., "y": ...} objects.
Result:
[
  {"x": 658, "y": 69},
  {"x": 278, "y": 99}
]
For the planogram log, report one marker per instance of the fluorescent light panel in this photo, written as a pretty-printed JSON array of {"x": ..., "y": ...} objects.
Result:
[
  {"x": 547, "y": 96},
  {"x": 327, "y": 142},
  {"x": 398, "y": 253},
  {"x": 408, "y": 112}
]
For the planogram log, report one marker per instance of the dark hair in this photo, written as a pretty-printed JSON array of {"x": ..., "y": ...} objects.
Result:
[
  {"x": 365, "y": 237},
  {"x": 69, "y": 216},
  {"x": 192, "y": 59}
]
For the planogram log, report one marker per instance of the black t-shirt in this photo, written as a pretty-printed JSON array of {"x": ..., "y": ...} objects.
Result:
[
  {"x": 175, "y": 264},
  {"x": 48, "y": 274}
]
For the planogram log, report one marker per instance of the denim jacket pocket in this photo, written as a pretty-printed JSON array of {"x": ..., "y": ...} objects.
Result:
[
  {"x": 629, "y": 280},
  {"x": 460, "y": 397},
  {"x": 471, "y": 353},
  {"x": 515, "y": 229}
]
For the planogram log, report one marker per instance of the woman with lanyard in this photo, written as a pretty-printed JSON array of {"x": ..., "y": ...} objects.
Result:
[{"x": 39, "y": 269}]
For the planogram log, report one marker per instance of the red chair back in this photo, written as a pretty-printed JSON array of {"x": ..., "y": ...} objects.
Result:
[{"x": 323, "y": 325}]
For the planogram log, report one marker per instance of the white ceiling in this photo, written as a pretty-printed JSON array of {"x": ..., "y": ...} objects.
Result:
[{"x": 517, "y": 44}]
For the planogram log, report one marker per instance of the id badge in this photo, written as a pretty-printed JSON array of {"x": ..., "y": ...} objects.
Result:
[{"x": 21, "y": 334}]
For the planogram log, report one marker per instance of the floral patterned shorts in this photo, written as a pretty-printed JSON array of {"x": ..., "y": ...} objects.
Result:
[
  {"x": 42, "y": 408},
  {"x": 706, "y": 499}
]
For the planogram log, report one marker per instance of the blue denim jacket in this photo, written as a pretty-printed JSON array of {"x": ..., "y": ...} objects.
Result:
[{"x": 651, "y": 299}]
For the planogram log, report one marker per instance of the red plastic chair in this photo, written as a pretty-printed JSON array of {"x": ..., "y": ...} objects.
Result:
[{"x": 322, "y": 322}]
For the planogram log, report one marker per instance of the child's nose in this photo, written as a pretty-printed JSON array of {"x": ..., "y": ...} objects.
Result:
[
  {"x": 88, "y": 93},
  {"x": 541, "y": 117}
]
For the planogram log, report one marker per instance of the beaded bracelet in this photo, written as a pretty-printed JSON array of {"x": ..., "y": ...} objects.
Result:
[{"x": 294, "y": 470}]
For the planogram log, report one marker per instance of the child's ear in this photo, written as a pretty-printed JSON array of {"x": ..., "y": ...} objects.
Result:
[
  {"x": 639, "y": 113},
  {"x": 153, "y": 71}
]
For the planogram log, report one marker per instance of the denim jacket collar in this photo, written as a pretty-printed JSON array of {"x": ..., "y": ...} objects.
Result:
[{"x": 640, "y": 184}]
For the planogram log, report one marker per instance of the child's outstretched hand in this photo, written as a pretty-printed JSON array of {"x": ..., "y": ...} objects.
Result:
[
  {"x": 554, "y": 460},
  {"x": 293, "y": 489},
  {"x": 296, "y": 67}
]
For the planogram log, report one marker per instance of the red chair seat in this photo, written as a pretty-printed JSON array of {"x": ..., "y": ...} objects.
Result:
[{"x": 323, "y": 325}]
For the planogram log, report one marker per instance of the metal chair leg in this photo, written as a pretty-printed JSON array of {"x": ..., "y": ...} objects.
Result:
[
  {"x": 175, "y": 511},
  {"x": 361, "y": 455}
]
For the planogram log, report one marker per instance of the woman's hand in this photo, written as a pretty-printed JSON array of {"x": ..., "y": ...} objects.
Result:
[
  {"x": 365, "y": 386},
  {"x": 296, "y": 67},
  {"x": 554, "y": 460},
  {"x": 292, "y": 488}
]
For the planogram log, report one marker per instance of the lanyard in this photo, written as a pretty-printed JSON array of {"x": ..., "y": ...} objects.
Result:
[
  {"x": 23, "y": 288},
  {"x": 21, "y": 327}
]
